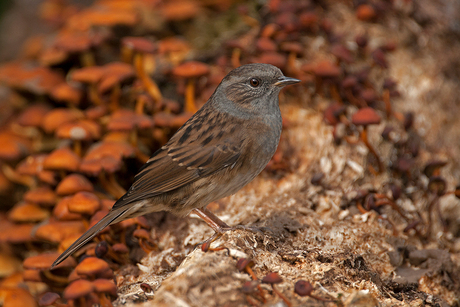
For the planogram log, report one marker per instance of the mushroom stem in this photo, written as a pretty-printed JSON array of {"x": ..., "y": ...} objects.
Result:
[
  {"x": 382, "y": 200},
  {"x": 371, "y": 149},
  {"x": 254, "y": 277},
  {"x": 251, "y": 301},
  {"x": 126, "y": 54},
  {"x": 94, "y": 95},
  {"x": 115, "y": 97},
  {"x": 190, "y": 96},
  {"x": 236, "y": 54},
  {"x": 104, "y": 301},
  {"x": 77, "y": 147},
  {"x": 58, "y": 279},
  {"x": 433, "y": 204},
  {"x": 386, "y": 100},
  {"x": 335, "y": 93},
  {"x": 87, "y": 59},
  {"x": 133, "y": 137},
  {"x": 281, "y": 296},
  {"x": 140, "y": 103},
  {"x": 149, "y": 85},
  {"x": 13, "y": 176}
]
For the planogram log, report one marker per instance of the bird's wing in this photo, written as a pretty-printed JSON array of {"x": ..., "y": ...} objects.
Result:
[{"x": 180, "y": 163}]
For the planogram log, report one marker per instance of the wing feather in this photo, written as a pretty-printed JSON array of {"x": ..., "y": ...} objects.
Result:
[{"x": 183, "y": 161}]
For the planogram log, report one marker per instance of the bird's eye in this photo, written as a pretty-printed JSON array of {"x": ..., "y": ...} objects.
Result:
[{"x": 254, "y": 82}]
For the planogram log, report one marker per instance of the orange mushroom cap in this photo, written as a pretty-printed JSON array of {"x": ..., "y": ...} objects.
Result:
[{"x": 365, "y": 117}]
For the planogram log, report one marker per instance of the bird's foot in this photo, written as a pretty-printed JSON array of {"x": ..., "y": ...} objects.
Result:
[{"x": 206, "y": 245}]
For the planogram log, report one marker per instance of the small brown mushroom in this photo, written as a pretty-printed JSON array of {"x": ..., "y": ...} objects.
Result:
[
  {"x": 62, "y": 159},
  {"x": 59, "y": 116},
  {"x": 72, "y": 184},
  {"x": 190, "y": 71},
  {"x": 140, "y": 47},
  {"x": 294, "y": 49},
  {"x": 83, "y": 130},
  {"x": 365, "y": 117},
  {"x": 105, "y": 289},
  {"x": 84, "y": 203},
  {"x": 245, "y": 264},
  {"x": 79, "y": 291},
  {"x": 92, "y": 267},
  {"x": 27, "y": 212},
  {"x": 272, "y": 279},
  {"x": 44, "y": 196},
  {"x": 304, "y": 288},
  {"x": 56, "y": 231},
  {"x": 42, "y": 263}
]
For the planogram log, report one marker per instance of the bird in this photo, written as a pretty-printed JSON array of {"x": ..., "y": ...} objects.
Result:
[{"x": 219, "y": 150}]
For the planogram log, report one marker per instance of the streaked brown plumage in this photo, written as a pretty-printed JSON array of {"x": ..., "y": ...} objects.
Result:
[{"x": 220, "y": 149}]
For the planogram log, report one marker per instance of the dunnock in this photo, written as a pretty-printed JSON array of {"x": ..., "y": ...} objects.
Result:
[{"x": 215, "y": 153}]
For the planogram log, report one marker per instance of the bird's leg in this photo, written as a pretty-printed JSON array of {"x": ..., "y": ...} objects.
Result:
[
  {"x": 215, "y": 223},
  {"x": 212, "y": 220},
  {"x": 219, "y": 226}
]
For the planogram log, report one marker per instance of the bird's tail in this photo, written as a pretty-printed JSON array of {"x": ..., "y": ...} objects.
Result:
[{"x": 112, "y": 217}]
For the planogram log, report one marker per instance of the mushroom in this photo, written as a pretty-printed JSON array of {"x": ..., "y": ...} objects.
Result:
[
  {"x": 103, "y": 159},
  {"x": 366, "y": 12},
  {"x": 115, "y": 73},
  {"x": 84, "y": 203},
  {"x": 129, "y": 121},
  {"x": 29, "y": 122},
  {"x": 272, "y": 279},
  {"x": 273, "y": 58},
  {"x": 325, "y": 73},
  {"x": 43, "y": 196},
  {"x": 105, "y": 289},
  {"x": 179, "y": 10},
  {"x": 78, "y": 132},
  {"x": 236, "y": 46},
  {"x": 79, "y": 292},
  {"x": 190, "y": 71},
  {"x": 80, "y": 43},
  {"x": 90, "y": 76},
  {"x": 140, "y": 47},
  {"x": 56, "y": 231},
  {"x": 50, "y": 299},
  {"x": 15, "y": 233},
  {"x": 245, "y": 264},
  {"x": 14, "y": 146},
  {"x": 61, "y": 211},
  {"x": 175, "y": 50},
  {"x": 67, "y": 93},
  {"x": 42, "y": 263},
  {"x": 27, "y": 212},
  {"x": 59, "y": 116},
  {"x": 365, "y": 117},
  {"x": 17, "y": 297},
  {"x": 342, "y": 54},
  {"x": 294, "y": 49},
  {"x": 72, "y": 184},
  {"x": 92, "y": 267},
  {"x": 144, "y": 240},
  {"x": 304, "y": 288},
  {"x": 62, "y": 159}
]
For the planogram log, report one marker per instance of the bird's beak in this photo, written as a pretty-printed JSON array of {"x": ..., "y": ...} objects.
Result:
[{"x": 283, "y": 81}]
